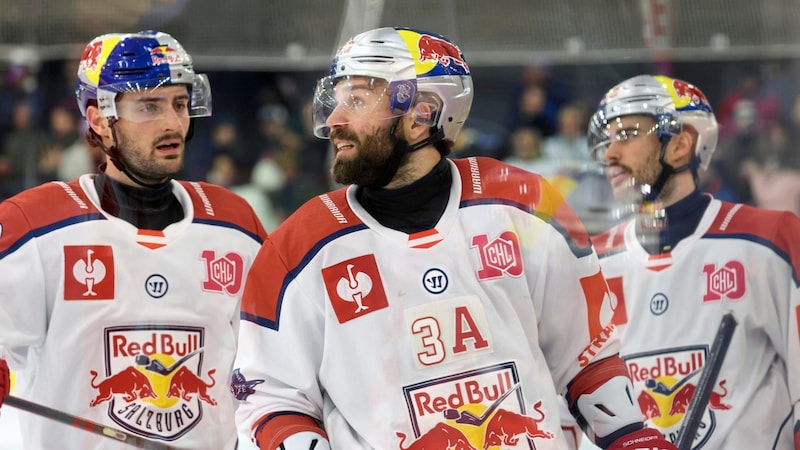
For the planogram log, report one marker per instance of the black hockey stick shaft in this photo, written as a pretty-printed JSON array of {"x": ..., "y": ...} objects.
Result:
[
  {"x": 708, "y": 380},
  {"x": 84, "y": 424}
]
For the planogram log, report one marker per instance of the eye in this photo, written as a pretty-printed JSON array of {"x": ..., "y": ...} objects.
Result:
[
  {"x": 151, "y": 108},
  {"x": 626, "y": 134}
]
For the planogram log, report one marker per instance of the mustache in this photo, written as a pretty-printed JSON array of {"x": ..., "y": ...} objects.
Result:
[
  {"x": 343, "y": 134},
  {"x": 169, "y": 137}
]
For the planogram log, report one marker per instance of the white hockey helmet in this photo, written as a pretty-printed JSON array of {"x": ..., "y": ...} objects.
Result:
[
  {"x": 671, "y": 102},
  {"x": 417, "y": 67}
]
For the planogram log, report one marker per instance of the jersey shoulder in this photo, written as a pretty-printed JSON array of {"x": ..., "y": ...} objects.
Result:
[
  {"x": 487, "y": 180},
  {"x": 215, "y": 204},
  {"x": 610, "y": 241},
  {"x": 319, "y": 220},
  {"x": 41, "y": 210},
  {"x": 49, "y": 203},
  {"x": 775, "y": 229}
]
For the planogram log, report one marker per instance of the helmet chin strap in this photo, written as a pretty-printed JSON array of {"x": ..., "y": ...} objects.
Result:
[
  {"x": 401, "y": 149},
  {"x": 666, "y": 172},
  {"x": 114, "y": 155}
]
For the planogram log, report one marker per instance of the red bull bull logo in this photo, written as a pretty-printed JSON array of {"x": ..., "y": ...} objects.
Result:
[
  {"x": 164, "y": 54},
  {"x": 482, "y": 410},
  {"x": 153, "y": 384},
  {"x": 432, "y": 48},
  {"x": 666, "y": 384}
]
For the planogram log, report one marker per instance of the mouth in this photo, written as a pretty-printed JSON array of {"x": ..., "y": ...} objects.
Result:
[
  {"x": 617, "y": 176},
  {"x": 170, "y": 147},
  {"x": 344, "y": 147}
]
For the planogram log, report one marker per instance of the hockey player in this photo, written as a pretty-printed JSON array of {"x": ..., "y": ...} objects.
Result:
[
  {"x": 432, "y": 303},
  {"x": 115, "y": 274},
  {"x": 704, "y": 258}
]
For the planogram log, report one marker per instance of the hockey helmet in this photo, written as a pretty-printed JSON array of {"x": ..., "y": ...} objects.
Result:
[
  {"x": 410, "y": 67},
  {"x": 671, "y": 102},
  {"x": 117, "y": 63}
]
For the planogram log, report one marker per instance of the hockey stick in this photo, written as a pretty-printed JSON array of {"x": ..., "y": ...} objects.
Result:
[
  {"x": 708, "y": 379},
  {"x": 84, "y": 424}
]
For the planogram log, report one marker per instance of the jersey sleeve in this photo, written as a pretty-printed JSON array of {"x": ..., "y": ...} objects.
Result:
[
  {"x": 572, "y": 295},
  {"x": 278, "y": 318},
  {"x": 788, "y": 294},
  {"x": 22, "y": 287}
]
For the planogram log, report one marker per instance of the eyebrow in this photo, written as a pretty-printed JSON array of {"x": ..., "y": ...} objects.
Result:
[{"x": 161, "y": 98}]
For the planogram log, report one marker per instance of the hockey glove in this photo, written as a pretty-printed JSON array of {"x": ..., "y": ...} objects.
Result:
[
  {"x": 644, "y": 439},
  {"x": 5, "y": 381},
  {"x": 305, "y": 440}
]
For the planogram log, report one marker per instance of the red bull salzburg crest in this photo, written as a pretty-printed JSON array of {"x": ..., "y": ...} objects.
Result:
[
  {"x": 475, "y": 410},
  {"x": 154, "y": 383},
  {"x": 666, "y": 382}
]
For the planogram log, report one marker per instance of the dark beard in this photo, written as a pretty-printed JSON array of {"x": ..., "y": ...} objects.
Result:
[{"x": 375, "y": 155}]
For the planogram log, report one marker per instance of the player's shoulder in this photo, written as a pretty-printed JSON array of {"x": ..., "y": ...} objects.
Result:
[
  {"x": 490, "y": 181},
  {"x": 484, "y": 177},
  {"x": 776, "y": 229},
  {"x": 49, "y": 203},
  {"x": 319, "y": 220},
  {"x": 736, "y": 219},
  {"x": 610, "y": 241},
  {"x": 215, "y": 204}
]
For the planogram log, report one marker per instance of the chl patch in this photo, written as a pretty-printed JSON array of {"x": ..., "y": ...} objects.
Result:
[
  {"x": 355, "y": 287},
  {"x": 223, "y": 273},
  {"x": 88, "y": 272}
]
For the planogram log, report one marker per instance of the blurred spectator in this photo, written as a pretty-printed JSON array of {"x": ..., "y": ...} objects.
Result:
[
  {"x": 537, "y": 98},
  {"x": 774, "y": 171},
  {"x": 224, "y": 137},
  {"x": 736, "y": 147},
  {"x": 526, "y": 152},
  {"x": 534, "y": 110},
  {"x": 20, "y": 153},
  {"x": 569, "y": 144},
  {"x": 225, "y": 172},
  {"x": 747, "y": 102}
]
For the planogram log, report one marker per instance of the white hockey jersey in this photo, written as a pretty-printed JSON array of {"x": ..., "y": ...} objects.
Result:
[
  {"x": 133, "y": 329},
  {"x": 455, "y": 337},
  {"x": 668, "y": 308}
]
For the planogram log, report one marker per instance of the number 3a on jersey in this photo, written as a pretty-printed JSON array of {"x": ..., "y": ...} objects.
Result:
[{"x": 448, "y": 330}]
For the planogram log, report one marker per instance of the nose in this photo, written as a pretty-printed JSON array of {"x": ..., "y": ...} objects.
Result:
[
  {"x": 612, "y": 153},
  {"x": 337, "y": 118},
  {"x": 173, "y": 119}
]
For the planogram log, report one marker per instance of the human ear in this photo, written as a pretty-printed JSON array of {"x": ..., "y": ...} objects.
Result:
[{"x": 97, "y": 122}]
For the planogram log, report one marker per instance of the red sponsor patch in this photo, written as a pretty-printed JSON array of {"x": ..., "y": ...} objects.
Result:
[
  {"x": 355, "y": 287},
  {"x": 88, "y": 272}
]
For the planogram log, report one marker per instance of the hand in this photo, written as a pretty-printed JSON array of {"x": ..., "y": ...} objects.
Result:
[
  {"x": 644, "y": 439},
  {"x": 305, "y": 440},
  {"x": 5, "y": 381}
]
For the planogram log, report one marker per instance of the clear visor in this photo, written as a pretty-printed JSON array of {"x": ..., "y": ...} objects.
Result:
[
  {"x": 342, "y": 100},
  {"x": 603, "y": 131},
  {"x": 152, "y": 103}
]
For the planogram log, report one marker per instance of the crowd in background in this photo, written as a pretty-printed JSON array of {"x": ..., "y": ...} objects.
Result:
[{"x": 261, "y": 146}]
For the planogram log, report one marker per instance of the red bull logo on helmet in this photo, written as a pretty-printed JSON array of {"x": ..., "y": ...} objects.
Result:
[
  {"x": 481, "y": 409},
  {"x": 433, "y": 54},
  {"x": 164, "y": 54},
  {"x": 685, "y": 96},
  {"x": 666, "y": 383},
  {"x": 95, "y": 55},
  {"x": 153, "y": 383}
]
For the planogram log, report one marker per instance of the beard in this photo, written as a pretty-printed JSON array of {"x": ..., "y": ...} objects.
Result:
[
  {"x": 144, "y": 168},
  {"x": 375, "y": 155},
  {"x": 646, "y": 175}
]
